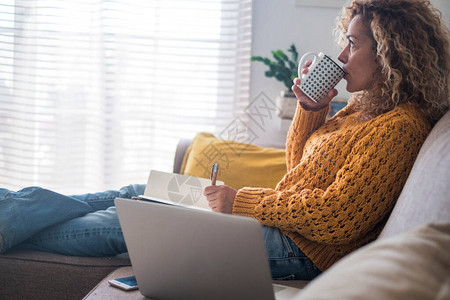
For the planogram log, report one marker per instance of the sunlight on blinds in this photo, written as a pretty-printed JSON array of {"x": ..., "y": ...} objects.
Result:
[{"x": 94, "y": 94}]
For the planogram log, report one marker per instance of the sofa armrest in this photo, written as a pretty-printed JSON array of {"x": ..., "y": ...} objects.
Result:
[{"x": 182, "y": 147}]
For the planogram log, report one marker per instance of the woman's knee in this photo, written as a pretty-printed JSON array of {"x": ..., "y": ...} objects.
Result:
[{"x": 132, "y": 190}]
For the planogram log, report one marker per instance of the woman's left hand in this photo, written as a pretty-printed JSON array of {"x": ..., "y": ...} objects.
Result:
[{"x": 220, "y": 197}]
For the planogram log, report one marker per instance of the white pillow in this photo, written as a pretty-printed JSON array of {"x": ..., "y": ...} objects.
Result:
[{"x": 412, "y": 265}]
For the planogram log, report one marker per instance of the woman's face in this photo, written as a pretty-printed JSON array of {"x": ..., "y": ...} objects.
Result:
[{"x": 358, "y": 57}]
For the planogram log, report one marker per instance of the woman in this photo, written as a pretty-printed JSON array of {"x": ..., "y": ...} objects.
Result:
[{"x": 343, "y": 175}]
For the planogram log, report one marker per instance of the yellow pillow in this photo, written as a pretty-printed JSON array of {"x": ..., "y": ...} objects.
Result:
[{"x": 240, "y": 165}]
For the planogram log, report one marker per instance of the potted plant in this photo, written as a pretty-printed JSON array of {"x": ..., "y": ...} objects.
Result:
[{"x": 283, "y": 69}]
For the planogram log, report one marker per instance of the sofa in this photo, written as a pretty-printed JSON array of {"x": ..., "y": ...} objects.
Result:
[{"x": 409, "y": 260}]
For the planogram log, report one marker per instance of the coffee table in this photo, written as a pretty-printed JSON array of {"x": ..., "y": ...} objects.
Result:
[{"x": 104, "y": 290}]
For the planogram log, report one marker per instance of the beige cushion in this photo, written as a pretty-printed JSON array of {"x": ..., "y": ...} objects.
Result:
[
  {"x": 425, "y": 196},
  {"x": 412, "y": 265}
]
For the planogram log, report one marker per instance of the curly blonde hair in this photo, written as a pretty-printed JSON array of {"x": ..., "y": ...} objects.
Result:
[{"x": 412, "y": 46}]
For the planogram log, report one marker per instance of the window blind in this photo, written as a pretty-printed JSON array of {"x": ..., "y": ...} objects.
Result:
[{"x": 95, "y": 94}]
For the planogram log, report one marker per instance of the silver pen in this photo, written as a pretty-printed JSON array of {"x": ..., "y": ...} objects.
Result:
[{"x": 214, "y": 172}]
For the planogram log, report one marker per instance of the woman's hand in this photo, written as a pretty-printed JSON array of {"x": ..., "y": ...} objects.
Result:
[
  {"x": 305, "y": 101},
  {"x": 220, "y": 197}
]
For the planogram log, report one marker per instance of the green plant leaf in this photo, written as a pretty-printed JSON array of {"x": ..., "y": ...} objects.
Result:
[
  {"x": 269, "y": 74},
  {"x": 292, "y": 65},
  {"x": 294, "y": 53},
  {"x": 280, "y": 56},
  {"x": 257, "y": 58},
  {"x": 282, "y": 68}
]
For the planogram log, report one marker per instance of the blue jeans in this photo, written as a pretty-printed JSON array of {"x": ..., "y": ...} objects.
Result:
[
  {"x": 82, "y": 225},
  {"x": 286, "y": 260},
  {"x": 87, "y": 225}
]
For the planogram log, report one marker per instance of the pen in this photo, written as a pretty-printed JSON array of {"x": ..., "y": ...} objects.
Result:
[{"x": 214, "y": 171}]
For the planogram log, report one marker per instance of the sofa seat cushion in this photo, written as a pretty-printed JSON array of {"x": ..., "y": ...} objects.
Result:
[
  {"x": 45, "y": 257},
  {"x": 52, "y": 276},
  {"x": 412, "y": 265}
]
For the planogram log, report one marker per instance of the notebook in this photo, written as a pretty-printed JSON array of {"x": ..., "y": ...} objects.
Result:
[
  {"x": 176, "y": 189},
  {"x": 182, "y": 253}
]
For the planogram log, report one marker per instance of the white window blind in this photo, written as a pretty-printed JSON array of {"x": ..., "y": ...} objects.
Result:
[{"x": 95, "y": 94}]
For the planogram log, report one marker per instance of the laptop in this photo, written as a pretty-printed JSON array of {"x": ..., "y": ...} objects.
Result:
[{"x": 182, "y": 253}]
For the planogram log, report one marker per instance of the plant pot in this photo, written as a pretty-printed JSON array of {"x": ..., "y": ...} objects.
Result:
[{"x": 287, "y": 104}]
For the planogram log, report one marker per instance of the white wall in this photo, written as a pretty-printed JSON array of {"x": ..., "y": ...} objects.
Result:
[{"x": 279, "y": 23}]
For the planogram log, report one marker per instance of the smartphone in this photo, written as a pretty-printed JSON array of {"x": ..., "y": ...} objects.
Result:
[{"x": 125, "y": 283}]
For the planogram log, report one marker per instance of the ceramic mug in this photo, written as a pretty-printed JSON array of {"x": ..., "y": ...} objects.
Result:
[{"x": 323, "y": 75}]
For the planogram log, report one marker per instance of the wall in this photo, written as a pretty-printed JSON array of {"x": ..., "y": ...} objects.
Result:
[{"x": 276, "y": 25}]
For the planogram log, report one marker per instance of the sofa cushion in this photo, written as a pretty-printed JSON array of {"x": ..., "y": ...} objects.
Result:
[
  {"x": 39, "y": 275},
  {"x": 240, "y": 164},
  {"x": 412, "y": 265},
  {"x": 425, "y": 197}
]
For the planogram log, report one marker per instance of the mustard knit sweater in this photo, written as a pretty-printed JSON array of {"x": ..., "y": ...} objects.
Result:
[{"x": 343, "y": 179}]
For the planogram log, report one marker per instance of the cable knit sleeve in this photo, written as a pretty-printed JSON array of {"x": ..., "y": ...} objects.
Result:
[
  {"x": 360, "y": 194},
  {"x": 303, "y": 124}
]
